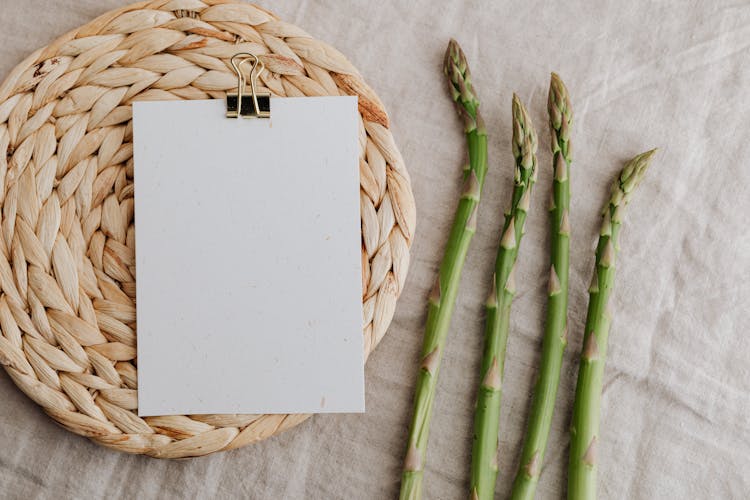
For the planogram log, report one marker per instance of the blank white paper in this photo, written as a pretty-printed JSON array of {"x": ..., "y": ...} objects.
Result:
[{"x": 248, "y": 267}]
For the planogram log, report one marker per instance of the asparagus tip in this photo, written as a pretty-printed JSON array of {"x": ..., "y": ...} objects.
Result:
[
  {"x": 558, "y": 93},
  {"x": 632, "y": 175},
  {"x": 524, "y": 136},
  {"x": 560, "y": 115},
  {"x": 461, "y": 89}
]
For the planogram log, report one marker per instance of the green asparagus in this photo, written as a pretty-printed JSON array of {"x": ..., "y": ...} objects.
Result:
[
  {"x": 443, "y": 295},
  {"x": 585, "y": 426},
  {"x": 555, "y": 333},
  {"x": 487, "y": 416}
]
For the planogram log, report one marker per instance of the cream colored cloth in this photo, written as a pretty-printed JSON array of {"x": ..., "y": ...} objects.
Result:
[{"x": 676, "y": 406}]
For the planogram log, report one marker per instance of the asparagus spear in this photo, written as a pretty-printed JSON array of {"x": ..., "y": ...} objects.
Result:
[
  {"x": 443, "y": 295},
  {"x": 555, "y": 334},
  {"x": 487, "y": 415},
  {"x": 585, "y": 427}
]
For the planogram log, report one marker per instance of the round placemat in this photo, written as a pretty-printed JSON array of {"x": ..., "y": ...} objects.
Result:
[{"x": 67, "y": 308}]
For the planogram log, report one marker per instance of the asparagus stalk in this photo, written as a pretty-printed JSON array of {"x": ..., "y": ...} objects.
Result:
[
  {"x": 585, "y": 426},
  {"x": 555, "y": 333},
  {"x": 443, "y": 295},
  {"x": 487, "y": 415}
]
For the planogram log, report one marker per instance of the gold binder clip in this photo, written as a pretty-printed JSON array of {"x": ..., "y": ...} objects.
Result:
[{"x": 239, "y": 103}]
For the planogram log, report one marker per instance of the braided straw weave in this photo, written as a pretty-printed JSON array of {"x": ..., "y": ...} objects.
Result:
[{"x": 67, "y": 307}]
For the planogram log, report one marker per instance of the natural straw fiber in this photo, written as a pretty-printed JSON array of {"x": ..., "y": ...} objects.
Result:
[{"x": 67, "y": 308}]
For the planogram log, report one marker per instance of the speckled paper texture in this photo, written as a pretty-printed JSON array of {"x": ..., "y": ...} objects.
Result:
[{"x": 248, "y": 258}]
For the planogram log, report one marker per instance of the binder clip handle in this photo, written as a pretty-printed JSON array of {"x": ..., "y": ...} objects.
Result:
[{"x": 239, "y": 104}]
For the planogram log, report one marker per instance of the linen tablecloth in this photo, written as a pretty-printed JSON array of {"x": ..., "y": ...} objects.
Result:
[{"x": 676, "y": 404}]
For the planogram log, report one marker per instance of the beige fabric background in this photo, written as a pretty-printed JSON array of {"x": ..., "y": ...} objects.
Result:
[{"x": 676, "y": 408}]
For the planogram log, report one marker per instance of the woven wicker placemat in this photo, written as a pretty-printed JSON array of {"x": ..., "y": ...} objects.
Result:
[{"x": 67, "y": 308}]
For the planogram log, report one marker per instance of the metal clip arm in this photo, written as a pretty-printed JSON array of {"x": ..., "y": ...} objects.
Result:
[{"x": 240, "y": 104}]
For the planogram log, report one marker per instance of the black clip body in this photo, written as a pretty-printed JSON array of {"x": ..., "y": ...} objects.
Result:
[{"x": 248, "y": 108}]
